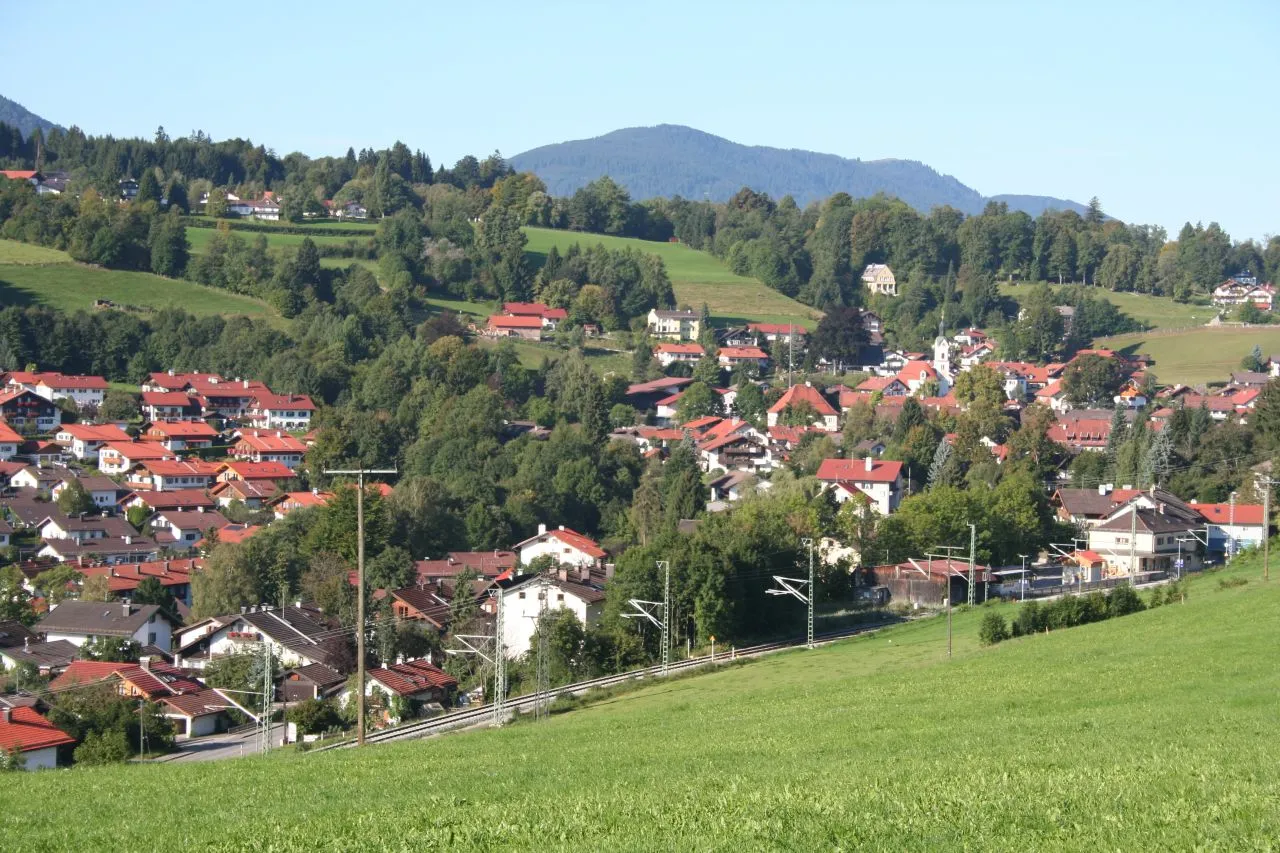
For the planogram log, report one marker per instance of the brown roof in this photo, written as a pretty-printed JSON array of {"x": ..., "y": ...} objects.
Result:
[{"x": 110, "y": 619}]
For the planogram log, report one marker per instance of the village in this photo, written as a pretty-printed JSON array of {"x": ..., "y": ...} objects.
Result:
[{"x": 132, "y": 508}]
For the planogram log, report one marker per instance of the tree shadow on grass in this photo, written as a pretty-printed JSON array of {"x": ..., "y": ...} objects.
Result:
[{"x": 13, "y": 295}]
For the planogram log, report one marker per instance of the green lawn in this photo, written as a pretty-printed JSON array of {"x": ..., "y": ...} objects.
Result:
[
  {"x": 60, "y": 283},
  {"x": 199, "y": 239},
  {"x": 317, "y": 225},
  {"x": 696, "y": 277},
  {"x": 1197, "y": 355},
  {"x": 1160, "y": 312},
  {"x": 1155, "y": 731}
]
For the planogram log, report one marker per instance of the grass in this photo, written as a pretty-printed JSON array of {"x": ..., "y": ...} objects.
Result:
[
  {"x": 1152, "y": 731},
  {"x": 1159, "y": 312},
  {"x": 60, "y": 283},
  {"x": 696, "y": 277},
  {"x": 199, "y": 239},
  {"x": 1197, "y": 355}
]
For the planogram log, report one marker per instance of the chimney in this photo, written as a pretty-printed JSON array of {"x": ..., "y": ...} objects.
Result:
[
  {"x": 869, "y": 466},
  {"x": 563, "y": 574},
  {"x": 125, "y": 607},
  {"x": 246, "y": 383},
  {"x": 128, "y": 540},
  {"x": 144, "y": 661},
  {"x": 542, "y": 529},
  {"x": 5, "y": 713},
  {"x": 584, "y": 574},
  {"x": 608, "y": 571}
]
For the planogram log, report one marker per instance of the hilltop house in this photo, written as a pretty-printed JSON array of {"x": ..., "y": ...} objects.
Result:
[
  {"x": 565, "y": 546},
  {"x": 878, "y": 278},
  {"x": 668, "y": 354}
]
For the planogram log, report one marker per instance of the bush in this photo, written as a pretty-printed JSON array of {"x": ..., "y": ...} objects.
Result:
[
  {"x": 1030, "y": 620},
  {"x": 314, "y": 716},
  {"x": 1124, "y": 600},
  {"x": 993, "y": 630},
  {"x": 110, "y": 747},
  {"x": 1230, "y": 583}
]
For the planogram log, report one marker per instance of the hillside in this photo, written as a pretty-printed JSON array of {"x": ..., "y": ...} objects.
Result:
[
  {"x": 697, "y": 278},
  {"x": 1151, "y": 731},
  {"x": 37, "y": 275},
  {"x": 670, "y": 160},
  {"x": 16, "y": 115}
]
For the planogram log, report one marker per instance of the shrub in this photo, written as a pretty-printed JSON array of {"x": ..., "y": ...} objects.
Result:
[
  {"x": 313, "y": 716},
  {"x": 1093, "y": 608},
  {"x": 993, "y": 629},
  {"x": 1230, "y": 583},
  {"x": 1158, "y": 596},
  {"x": 1124, "y": 600},
  {"x": 1030, "y": 619}
]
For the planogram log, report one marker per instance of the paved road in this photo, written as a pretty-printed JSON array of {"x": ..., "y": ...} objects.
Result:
[{"x": 217, "y": 747}]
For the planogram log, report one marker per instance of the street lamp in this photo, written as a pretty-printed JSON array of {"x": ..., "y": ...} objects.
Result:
[{"x": 1024, "y": 576}]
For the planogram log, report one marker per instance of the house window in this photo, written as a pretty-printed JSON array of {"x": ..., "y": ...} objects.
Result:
[
  {"x": 560, "y": 597},
  {"x": 151, "y": 638}
]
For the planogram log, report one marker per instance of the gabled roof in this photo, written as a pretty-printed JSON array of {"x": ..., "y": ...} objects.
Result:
[
  {"x": 183, "y": 429},
  {"x": 110, "y": 618},
  {"x": 168, "y": 398},
  {"x": 95, "y": 432},
  {"x": 411, "y": 677},
  {"x": 305, "y": 631},
  {"x": 14, "y": 633},
  {"x": 743, "y": 352},
  {"x": 503, "y": 321},
  {"x": 271, "y": 441},
  {"x": 572, "y": 538},
  {"x": 266, "y": 401},
  {"x": 487, "y": 563},
  {"x": 777, "y": 328},
  {"x": 8, "y": 435},
  {"x": 57, "y": 654},
  {"x": 679, "y": 349},
  {"x": 27, "y": 730},
  {"x": 258, "y": 470},
  {"x": 180, "y": 467},
  {"x": 666, "y": 383},
  {"x": 59, "y": 381},
  {"x": 806, "y": 394},
  {"x": 198, "y": 704},
  {"x": 183, "y": 499},
  {"x": 138, "y": 451},
  {"x": 319, "y": 675},
  {"x": 859, "y": 470}
]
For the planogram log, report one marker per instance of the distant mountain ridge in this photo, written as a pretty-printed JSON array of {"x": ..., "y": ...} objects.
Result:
[
  {"x": 16, "y": 115},
  {"x": 669, "y": 160}
]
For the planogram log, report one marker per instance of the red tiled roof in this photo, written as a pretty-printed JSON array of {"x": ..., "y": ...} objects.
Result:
[
  {"x": 270, "y": 441},
  {"x": 679, "y": 349},
  {"x": 258, "y": 470},
  {"x": 139, "y": 450},
  {"x": 237, "y": 532},
  {"x": 167, "y": 398},
  {"x": 776, "y": 328},
  {"x": 182, "y": 429},
  {"x": 18, "y": 174},
  {"x": 180, "y": 467},
  {"x": 266, "y": 401},
  {"x": 743, "y": 352},
  {"x": 126, "y": 576},
  {"x": 410, "y": 677},
  {"x": 914, "y": 370},
  {"x": 658, "y": 385},
  {"x": 501, "y": 321},
  {"x": 856, "y": 470},
  {"x": 198, "y": 704},
  {"x": 8, "y": 435},
  {"x": 1221, "y": 513},
  {"x": 573, "y": 539},
  {"x": 27, "y": 730},
  {"x": 75, "y": 383},
  {"x": 95, "y": 432},
  {"x": 534, "y": 309},
  {"x": 803, "y": 393}
]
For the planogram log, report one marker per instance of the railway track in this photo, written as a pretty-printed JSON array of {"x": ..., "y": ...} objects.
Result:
[{"x": 483, "y": 713}]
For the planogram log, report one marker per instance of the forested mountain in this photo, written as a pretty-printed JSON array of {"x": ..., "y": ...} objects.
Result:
[
  {"x": 670, "y": 160},
  {"x": 16, "y": 115}
]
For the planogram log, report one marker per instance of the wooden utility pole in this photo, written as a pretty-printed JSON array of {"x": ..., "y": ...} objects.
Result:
[{"x": 359, "y": 474}]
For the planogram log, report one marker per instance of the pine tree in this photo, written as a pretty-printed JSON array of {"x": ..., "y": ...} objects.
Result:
[
  {"x": 940, "y": 457},
  {"x": 1159, "y": 457},
  {"x": 1117, "y": 436}
]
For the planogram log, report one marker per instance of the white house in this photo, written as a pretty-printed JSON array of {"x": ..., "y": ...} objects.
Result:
[
  {"x": 880, "y": 480},
  {"x": 9, "y": 441},
  {"x": 281, "y": 411},
  {"x": 297, "y": 636},
  {"x": 81, "y": 390},
  {"x": 565, "y": 546},
  {"x": 35, "y": 738},
  {"x": 806, "y": 396},
  {"x": 84, "y": 440},
  {"x": 878, "y": 278},
  {"x": 80, "y": 621},
  {"x": 523, "y": 602},
  {"x": 679, "y": 325},
  {"x": 116, "y": 457},
  {"x": 269, "y": 446},
  {"x": 669, "y": 354}
]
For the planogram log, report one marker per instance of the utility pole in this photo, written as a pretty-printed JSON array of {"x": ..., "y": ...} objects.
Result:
[
  {"x": 499, "y": 664},
  {"x": 641, "y": 609},
  {"x": 973, "y": 543},
  {"x": 1133, "y": 543},
  {"x": 790, "y": 586},
  {"x": 1024, "y": 576},
  {"x": 791, "y": 350},
  {"x": 542, "y": 675},
  {"x": 266, "y": 697},
  {"x": 1266, "y": 528},
  {"x": 1231, "y": 530},
  {"x": 360, "y": 626}
]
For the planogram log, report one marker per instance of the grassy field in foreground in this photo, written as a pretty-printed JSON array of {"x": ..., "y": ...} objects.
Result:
[
  {"x": 1159, "y": 312},
  {"x": 1197, "y": 355},
  {"x": 1154, "y": 731},
  {"x": 60, "y": 283},
  {"x": 696, "y": 277}
]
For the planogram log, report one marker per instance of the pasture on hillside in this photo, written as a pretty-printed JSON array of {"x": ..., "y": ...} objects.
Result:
[
  {"x": 36, "y": 275},
  {"x": 1191, "y": 357},
  {"x": 1159, "y": 312},
  {"x": 199, "y": 239},
  {"x": 1152, "y": 731},
  {"x": 697, "y": 278}
]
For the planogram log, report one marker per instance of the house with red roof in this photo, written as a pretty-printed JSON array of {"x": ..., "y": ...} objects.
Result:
[
  {"x": 418, "y": 682},
  {"x": 35, "y": 738},
  {"x": 84, "y": 391},
  {"x": 269, "y": 411},
  {"x": 257, "y": 445},
  {"x": 565, "y": 546},
  {"x": 123, "y": 578},
  {"x": 879, "y": 479},
  {"x": 885, "y": 386},
  {"x": 579, "y": 591},
  {"x": 550, "y": 317},
  {"x": 180, "y": 435},
  {"x": 668, "y": 354},
  {"x": 914, "y": 374},
  {"x": 804, "y": 397},
  {"x": 26, "y": 411},
  {"x": 84, "y": 441},
  {"x": 9, "y": 442},
  {"x": 254, "y": 472},
  {"x": 507, "y": 326},
  {"x": 750, "y": 356},
  {"x": 252, "y": 494},
  {"x": 171, "y": 474},
  {"x": 117, "y": 457},
  {"x": 169, "y": 405},
  {"x": 288, "y": 502},
  {"x": 779, "y": 331}
]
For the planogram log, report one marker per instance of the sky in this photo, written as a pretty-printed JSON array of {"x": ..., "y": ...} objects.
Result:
[{"x": 1167, "y": 112}]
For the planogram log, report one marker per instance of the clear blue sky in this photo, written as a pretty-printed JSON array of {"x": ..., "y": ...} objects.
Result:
[{"x": 1166, "y": 111}]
